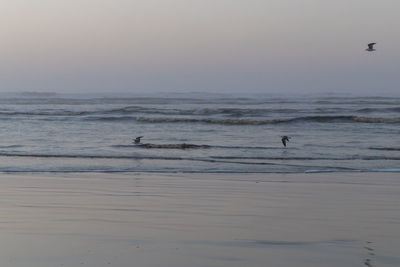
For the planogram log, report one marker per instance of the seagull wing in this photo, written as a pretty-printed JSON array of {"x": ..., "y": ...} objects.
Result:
[{"x": 371, "y": 45}]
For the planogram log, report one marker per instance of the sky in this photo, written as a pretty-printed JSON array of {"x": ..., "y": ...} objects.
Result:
[{"x": 220, "y": 46}]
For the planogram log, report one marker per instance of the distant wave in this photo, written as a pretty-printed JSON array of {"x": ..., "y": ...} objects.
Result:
[
  {"x": 11, "y": 146},
  {"x": 205, "y": 114},
  {"x": 234, "y": 112},
  {"x": 319, "y": 119},
  {"x": 111, "y": 118},
  {"x": 54, "y": 112},
  {"x": 359, "y": 101},
  {"x": 196, "y": 99},
  {"x": 374, "y": 120},
  {"x": 386, "y": 148},
  {"x": 208, "y": 120},
  {"x": 371, "y": 110},
  {"x": 138, "y": 110}
]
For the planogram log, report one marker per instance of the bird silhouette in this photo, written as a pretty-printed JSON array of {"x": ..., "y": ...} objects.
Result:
[
  {"x": 371, "y": 47},
  {"x": 137, "y": 139},
  {"x": 285, "y": 139}
]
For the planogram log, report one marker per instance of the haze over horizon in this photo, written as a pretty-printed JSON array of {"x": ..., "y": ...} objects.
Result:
[{"x": 220, "y": 46}]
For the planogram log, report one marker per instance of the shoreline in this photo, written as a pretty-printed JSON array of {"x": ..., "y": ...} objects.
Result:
[
  {"x": 181, "y": 219},
  {"x": 190, "y": 173}
]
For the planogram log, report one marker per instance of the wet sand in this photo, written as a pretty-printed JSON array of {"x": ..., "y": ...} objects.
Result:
[{"x": 331, "y": 219}]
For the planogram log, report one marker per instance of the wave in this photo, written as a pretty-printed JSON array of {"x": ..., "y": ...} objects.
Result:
[
  {"x": 319, "y": 119},
  {"x": 384, "y": 110},
  {"x": 135, "y": 170},
  {"x": 359, "y": 101},
  {"x": 168, "y": 99},
  {"x": 310, "y": 158},
  {"x": 173, "y": 146},
  {"x": 83, "y": 156},
  {"x": 55, "y": 112},
  {"x": 385, "y": 148},
  {"x": 137, "y": 110},
  {"x": 219, "y": 115},
  {"x": 226, "y": 112},
  {"x": 386, "y": 170},
  {"x": 197, "y": 111},
  {"x": 11, "y": 146},
  {"x": 111, "y": 119},
  {"x": 184, "y": 146},
  {"x": 394, "y": 170}
]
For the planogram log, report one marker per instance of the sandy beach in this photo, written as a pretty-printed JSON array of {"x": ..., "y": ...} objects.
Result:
[{"x": 137, "y": 219}]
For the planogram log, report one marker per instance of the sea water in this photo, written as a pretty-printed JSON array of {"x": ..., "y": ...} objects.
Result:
[{"x": 199, "y": 134}]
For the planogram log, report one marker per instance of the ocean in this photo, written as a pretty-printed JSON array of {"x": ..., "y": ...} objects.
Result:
[{"x": 199, "y": 134}]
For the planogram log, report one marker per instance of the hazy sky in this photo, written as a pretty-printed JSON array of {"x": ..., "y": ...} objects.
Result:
[{"x": 200, "y": 45}]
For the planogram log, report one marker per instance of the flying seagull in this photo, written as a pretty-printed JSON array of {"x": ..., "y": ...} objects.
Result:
[
  {"x": 370, "y": 47},
  {"x": 285, "y": 139},
  {"x": 137, "y": 139}
]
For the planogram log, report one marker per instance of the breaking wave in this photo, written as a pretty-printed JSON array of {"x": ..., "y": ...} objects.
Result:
[
  {"x": 137, "y": 110},
  {"x": 210, "y": 115}
]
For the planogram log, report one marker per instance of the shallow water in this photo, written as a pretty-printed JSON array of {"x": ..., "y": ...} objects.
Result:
[
  {"x": 142, "y": 219},
  {"x": 237, "y": 135}
]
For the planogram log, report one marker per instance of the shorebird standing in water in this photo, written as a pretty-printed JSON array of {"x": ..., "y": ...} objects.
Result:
[
  {"x": 285, "y": 139},
  {"x": 137, "y": 140},
  {"x": 370, "y": 47}
]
